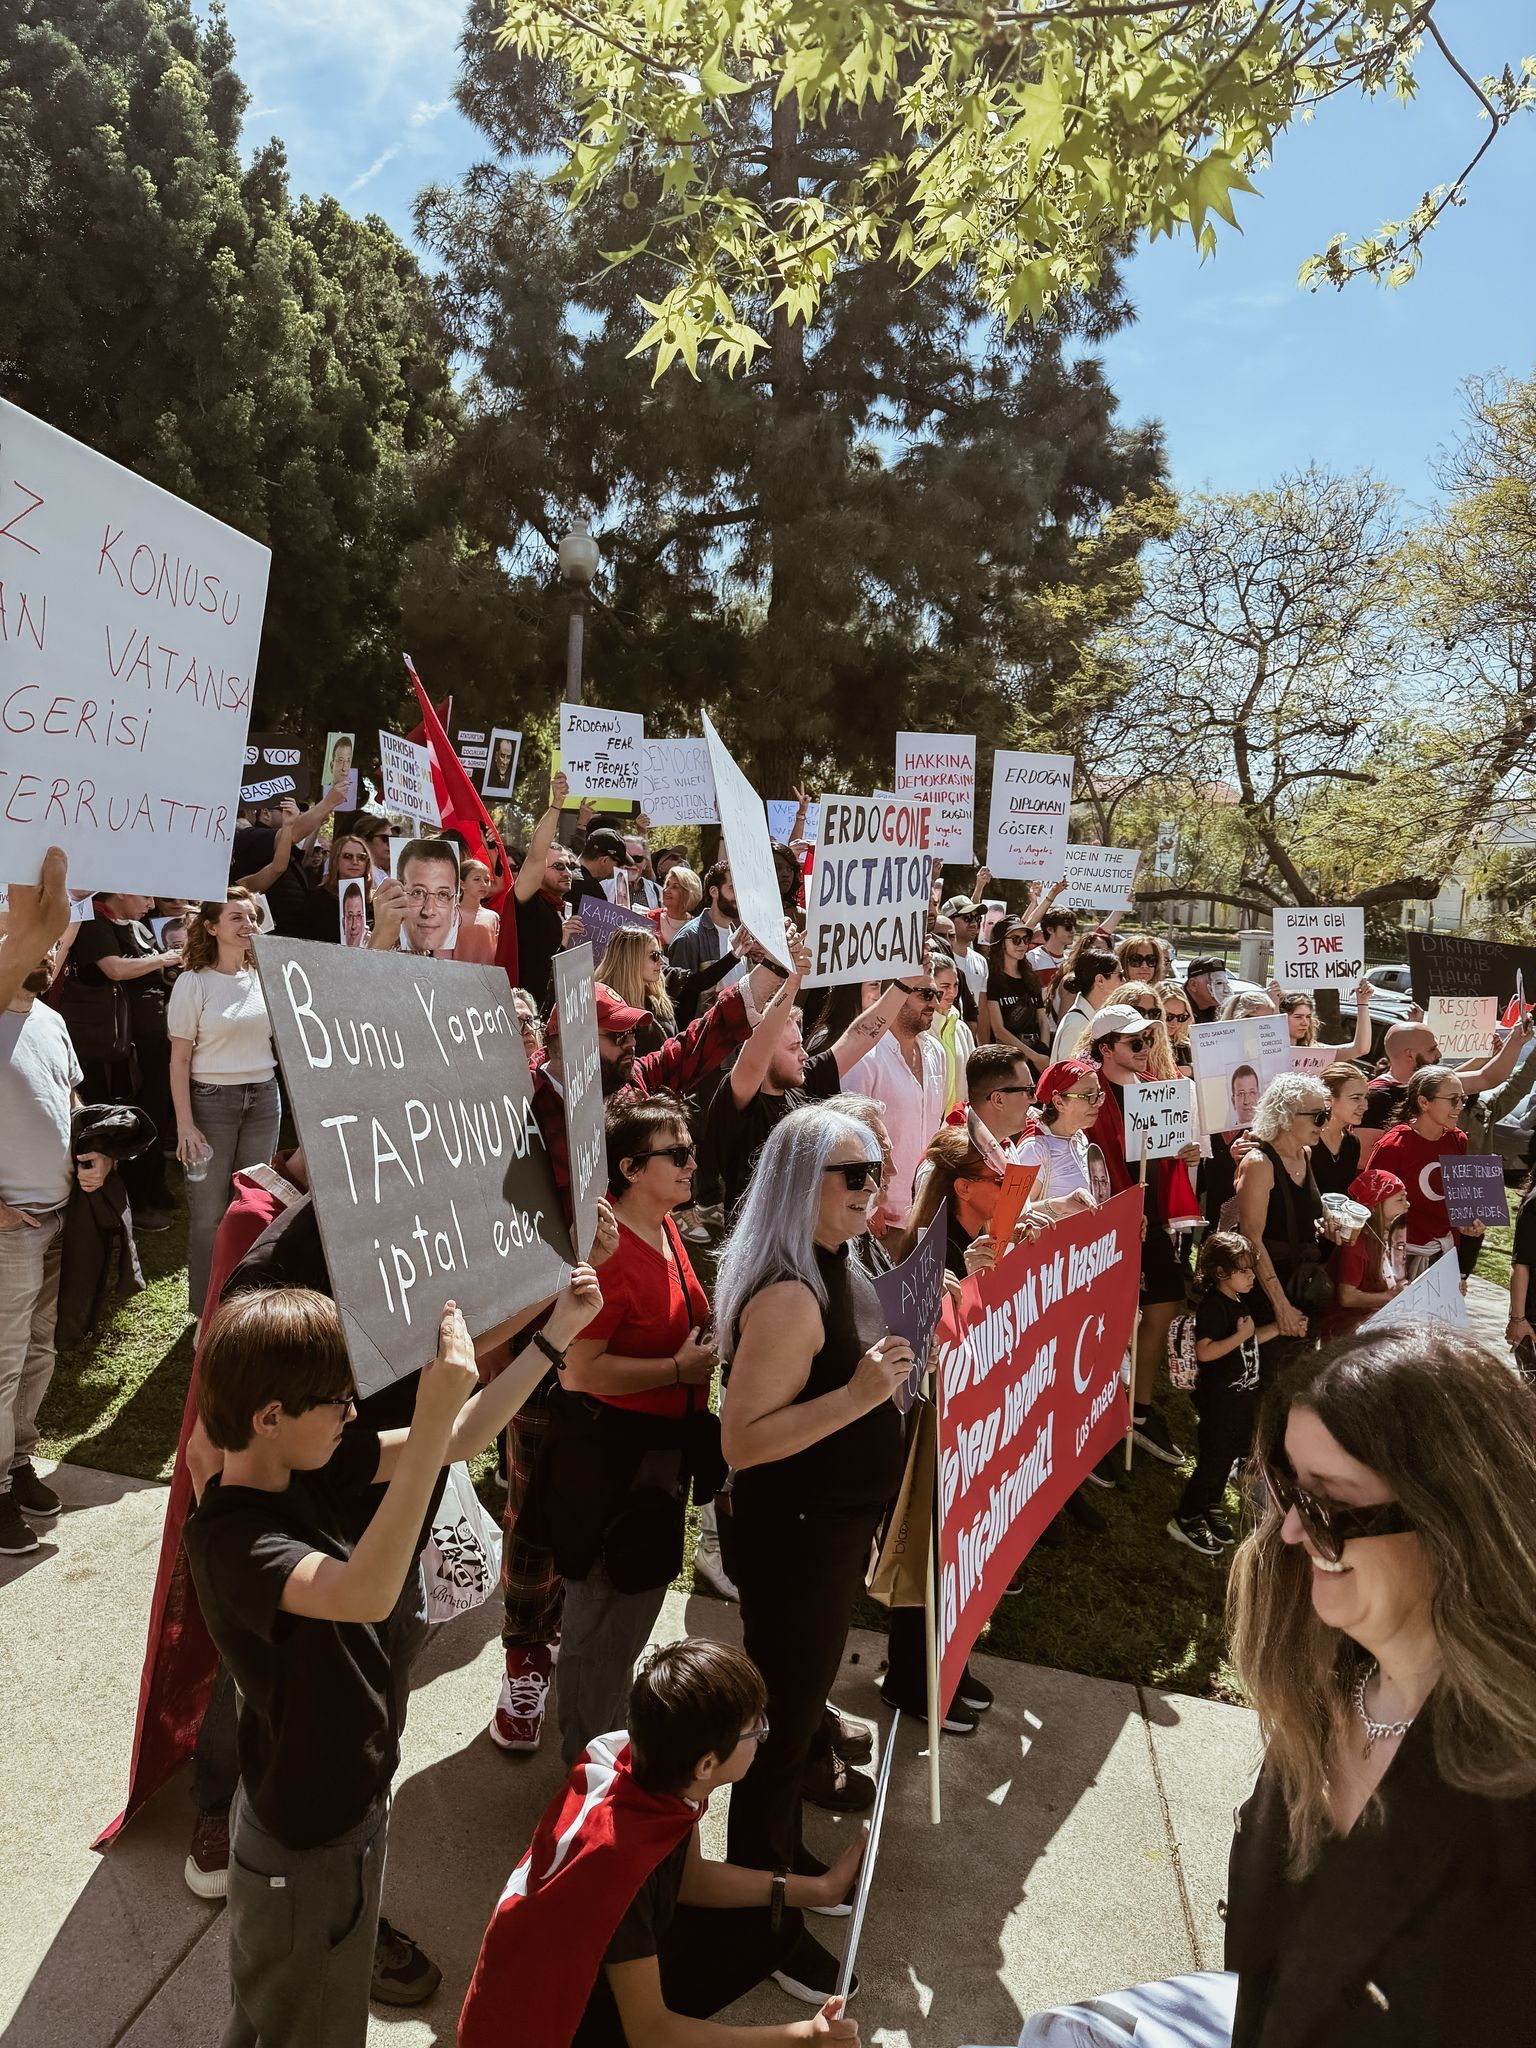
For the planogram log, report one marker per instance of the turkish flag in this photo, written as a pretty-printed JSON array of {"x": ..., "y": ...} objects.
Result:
[
  {"x": 459, "y": 802},
  {"x": 1031, "y": 1396}
]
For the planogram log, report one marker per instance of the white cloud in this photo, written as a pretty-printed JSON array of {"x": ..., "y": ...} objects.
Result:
[
  {"x": 384, "y": 157},
  {"x": 425, "y": 112}
]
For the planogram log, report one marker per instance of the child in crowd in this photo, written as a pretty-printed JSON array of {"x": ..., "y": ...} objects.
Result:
[
  {"x": 309, "y": 1584},
  {"x": 1367, "y": 1273},
  {"x": 1227, "y": 1391}
]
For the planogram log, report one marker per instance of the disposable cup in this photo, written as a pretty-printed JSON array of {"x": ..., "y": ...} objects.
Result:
[
  {"x": 1348, "y": 1214},
  {"x": 196, "y": 1168}
]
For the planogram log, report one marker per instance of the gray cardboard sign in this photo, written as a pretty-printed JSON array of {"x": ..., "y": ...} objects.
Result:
[
  {"x": 412, "y": 1095},
  {"x": 585, "y": 1119}
]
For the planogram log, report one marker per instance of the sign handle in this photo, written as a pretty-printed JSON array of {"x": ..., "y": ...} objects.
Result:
[
  {"x": 931, "y": 1651},
  {"x": 1130, "y": 1392}
]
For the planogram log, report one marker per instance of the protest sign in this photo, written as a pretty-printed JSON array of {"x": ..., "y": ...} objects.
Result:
[
  {"x": 407, "y": 776},
  {"x": 600, "y": 919},
  {"x": 744, "y": 829},
  {"x": 1165, "y": 855},
  {"x": 472, "y": 745},
  {"x": 1311, "y": 1059},
  {"x": 502, "y": 751},
  {"x": 1234, "y": 1063},
  {"x": 782, "y": 812},
  {"x": 1099, "y": 877},
  {"x": 1030, "y": 1397},
  {"x": 911, "y": 1295},
  {"x": 1317, "y": 948},
  {"x": 1462, "y": 1026},
  {"x": 1474, "y": 1190},
  {"x": 866, "y": 908},
  {"x": 274, "y": 768},
  {"x": 129, "y": 630},
  {"x": 677, "y": 785},
  {"x": 1435, "y": 1297},
  {"x": 1159, "y": 1118},
  {"x": 939, "y": 769},
  {"x": 340, "y": 752},
  {"x": 1011, "y": 1196},
  {"x": 600, "y": 751},
  {"x": 1031, "y": 805},
  {"x": 352, "y": 913},
  {"x": 411, "y": 1093},
  {"x": 585, "y": 1128},
  {"x": 1441, "y": 965}
]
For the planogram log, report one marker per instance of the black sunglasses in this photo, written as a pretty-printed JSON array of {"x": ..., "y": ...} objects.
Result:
[
  {"x": 858, "y": 1173},
  {"x": 1139, "y": 960},
  {"x": 1139, "y": 1043},
  {"x": 1316, "y": 1116},
  {"x": 678, "y": 1154},
  {"x": 1327, "y": 1524},
  {"x": 1014, "y": 1088}
]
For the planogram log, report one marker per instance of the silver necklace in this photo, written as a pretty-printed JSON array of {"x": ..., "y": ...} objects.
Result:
[{"x": 1375, "y": 1731}]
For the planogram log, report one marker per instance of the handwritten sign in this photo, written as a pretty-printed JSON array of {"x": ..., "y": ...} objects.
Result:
[
  {"x": 129, "y": 629},
  {"x": 867, "y": 901},
  {"x": 939, "y": 769},
  {"x": 1018, "y": 1180},
  {"x": 1441, "y": 965},
  {"x": 1099, "y": 877},
  {"x": 1311, "y": 1059},
  {"x": 1317, "y": 948},
  {"x": 1030, "y": 1399},
  {"x": 1474, "y": 1190},
  {"x": 412, "y": 1096},
  {"x": 585, "y": 1124},
  {"x": 782, "y": 812},
  {"x": 600, "y": 751},
  {"x": 677, "y": 784},
  {"x": 1234, "y": 1063},
  {"x": 1159, "y": 1118},
  {"x": 1462, "y": 1026},
  {"x": 744, "y": 829},
  {"x": 407, "y": 777},
  {"x": 1031, "y": 805},
  {"x": 912, "y": 1295},
  {"x": 600, "y": 919},
  {"x": 1434, "y": 1297},
  {"x": 274, "y": 768}
]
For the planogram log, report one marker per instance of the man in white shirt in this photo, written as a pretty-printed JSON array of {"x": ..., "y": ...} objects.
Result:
[
  {"x": 1001, "y": 1089},
  {"x": 1058, "y": 928},
  {"x": 967, "y": 917},
  {"x": 907, "y": 1072}
]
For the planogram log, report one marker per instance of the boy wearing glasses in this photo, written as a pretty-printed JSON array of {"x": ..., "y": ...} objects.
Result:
[
  {"x": 651, "y": 1935},
  {"x": 302, "y": 1575}
]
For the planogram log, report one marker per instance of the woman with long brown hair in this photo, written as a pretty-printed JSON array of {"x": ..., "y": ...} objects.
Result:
[{"x": 349, "y": 860}]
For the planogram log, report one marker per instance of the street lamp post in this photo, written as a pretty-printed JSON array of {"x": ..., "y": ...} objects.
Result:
[{"x": 578, "y": 565}]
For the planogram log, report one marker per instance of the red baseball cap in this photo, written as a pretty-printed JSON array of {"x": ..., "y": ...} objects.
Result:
[
  {"x": 1058, "y": 1078},
  {"x": 613, "y": 1013}
]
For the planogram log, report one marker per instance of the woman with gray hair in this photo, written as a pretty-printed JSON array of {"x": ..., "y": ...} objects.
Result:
[
  {"x": 1280, "y": 1212},
  {"x": 814, "y": 1440}
]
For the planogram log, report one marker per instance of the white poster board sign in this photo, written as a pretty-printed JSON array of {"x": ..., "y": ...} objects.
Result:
[
  {"x": 1159, "y": 1118},
  {"x": 939, "y": 769},
  {"x": 1027, "y": 827},
  {"x": 866, "y": 907},
  {"x": 1099, "y": 877},
  {"x": 129, "y": 629},
  {"x": 782, "y": 812},
  {"x": 600, "y": 751},
  {"x": 1462, "y": 1026},
  {"x": 744, "y": 828},
  {"x": 1311, "y": 1059},
  {"x": 1318, "y": 948},
  {"x": 407, "y": 776},
  {"x": 677, "y": 784},
  {"x": 1234, "y": 1063},
  {"x": 1435, "y": 1297}
]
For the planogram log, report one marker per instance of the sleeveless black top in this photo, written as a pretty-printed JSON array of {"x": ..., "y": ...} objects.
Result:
[{"x": 859, "y": 1466}]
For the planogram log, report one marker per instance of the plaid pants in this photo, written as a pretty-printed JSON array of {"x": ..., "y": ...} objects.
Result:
[{"x": 532, "y": 1591}]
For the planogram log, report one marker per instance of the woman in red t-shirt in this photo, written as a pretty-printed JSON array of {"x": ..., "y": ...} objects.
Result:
[
  {"x": 622, "y": 1448},
  {"x": 1413, "y": 1149}
]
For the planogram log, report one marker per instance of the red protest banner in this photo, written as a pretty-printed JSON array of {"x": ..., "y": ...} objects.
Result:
[{"x": 1030, "y": 1398}]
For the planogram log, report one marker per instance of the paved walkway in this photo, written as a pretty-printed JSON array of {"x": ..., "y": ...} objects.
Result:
[{"x": 1083, "y": 1845}]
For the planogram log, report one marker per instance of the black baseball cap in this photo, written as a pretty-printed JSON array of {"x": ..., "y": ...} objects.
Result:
[{"x": 603, "y": 842}]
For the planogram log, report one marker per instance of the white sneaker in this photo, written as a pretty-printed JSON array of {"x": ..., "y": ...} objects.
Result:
[{"x": 709, "y": 1566}]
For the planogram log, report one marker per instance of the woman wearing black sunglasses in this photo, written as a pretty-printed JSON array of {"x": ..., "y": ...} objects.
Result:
[
  {"x": 1382, "y": 1881},
  {"x": 1280, "y": 1212}
]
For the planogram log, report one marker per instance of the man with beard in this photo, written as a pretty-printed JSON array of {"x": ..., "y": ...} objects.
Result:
[
  {"x": 39, "y": 1074},
  {"x": 705, "y": 937},
  {"x": 532, "y": 1591},
  {"x": 419, "y": 913},
  {"x": 907, "y": 1070},
  {"x": 544, "y": 922}
]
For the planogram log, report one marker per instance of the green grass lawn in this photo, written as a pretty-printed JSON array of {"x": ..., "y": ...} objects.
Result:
[{"x": 1128, "y": 1604}]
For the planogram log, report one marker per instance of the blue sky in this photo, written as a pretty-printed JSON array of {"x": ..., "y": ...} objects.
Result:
[{"x": 1250, "y": 375}]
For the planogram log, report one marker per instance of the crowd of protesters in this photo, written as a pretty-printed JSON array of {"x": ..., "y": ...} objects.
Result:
[{"x": 804, "y": 1137}]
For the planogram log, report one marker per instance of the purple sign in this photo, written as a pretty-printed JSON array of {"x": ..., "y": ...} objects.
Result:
[
  {"x": 912, "y": 1295},
  {"x": 600, "y": 919},
  {"x": 1474, "y": 1190}
]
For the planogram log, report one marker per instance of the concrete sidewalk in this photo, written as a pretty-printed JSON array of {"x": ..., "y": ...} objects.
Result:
[{"x": 1083, "y": 1845}]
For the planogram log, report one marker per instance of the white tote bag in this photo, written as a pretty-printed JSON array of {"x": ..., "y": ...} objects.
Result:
[{"x": 462, "y": 1558}]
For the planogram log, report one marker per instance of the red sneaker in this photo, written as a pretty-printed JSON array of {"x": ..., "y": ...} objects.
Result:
[
  {"x": 207, "y": 1866},
  {"x": 519, "y": 1718}
]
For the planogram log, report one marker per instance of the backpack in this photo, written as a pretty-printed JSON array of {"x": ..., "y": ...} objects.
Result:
[{"x": 1183, "y": 1366}]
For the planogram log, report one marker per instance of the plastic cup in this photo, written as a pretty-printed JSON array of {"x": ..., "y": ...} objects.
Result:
[
  {"x": 1348, "y": 1214},
  {"x": 196, "y": 1168}
]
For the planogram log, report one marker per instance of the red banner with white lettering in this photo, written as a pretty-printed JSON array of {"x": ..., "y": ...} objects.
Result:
[{"x": 1031, "y": 1397}]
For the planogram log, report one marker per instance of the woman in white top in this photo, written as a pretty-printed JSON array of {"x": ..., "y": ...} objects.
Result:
[
  {"x": 223, "y": 1076},
  {"x": 1068, "y": 1096}
]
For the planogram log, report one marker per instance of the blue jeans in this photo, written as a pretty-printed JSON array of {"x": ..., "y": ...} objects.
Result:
[
  {"x": 29, "y": 1307},
  {"x": 239, "y": 1119}
]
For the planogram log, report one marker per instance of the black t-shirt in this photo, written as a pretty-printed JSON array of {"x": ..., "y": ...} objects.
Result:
[
  {"x": 1216, "y": 1319},
  {"x": 1383, "y": 1099},
  {"x": 1333, "y": 1172},
  {"x": 1524, "y": 1249},
  {"x": 540, "y": 927},
  {"x": 288, "y": 895},
  {"x": 102, "y": 938},
  {"x": 320, "y": 1701},
  {"x": 737, "y": 1135},
  {"x": 639, "y": 1934}
]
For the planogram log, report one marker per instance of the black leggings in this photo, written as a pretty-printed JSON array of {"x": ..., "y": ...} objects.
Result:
[{"x": 1227, "y": 1414}]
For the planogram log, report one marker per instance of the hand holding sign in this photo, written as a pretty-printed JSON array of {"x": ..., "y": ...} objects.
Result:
[{"x": 881, "y": 1373}]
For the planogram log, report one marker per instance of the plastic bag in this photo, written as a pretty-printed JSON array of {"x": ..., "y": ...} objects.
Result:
[{"x": 462, "y": 1557}]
